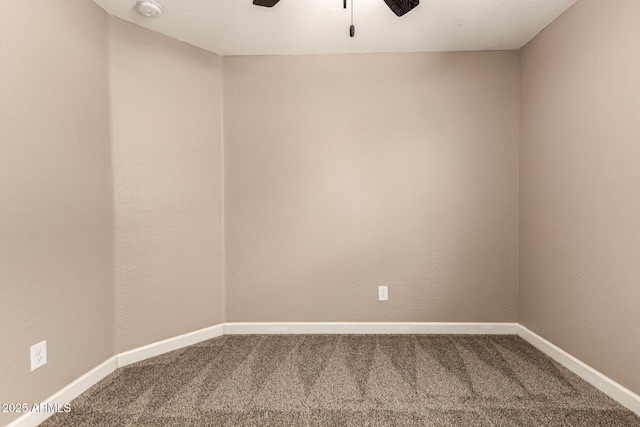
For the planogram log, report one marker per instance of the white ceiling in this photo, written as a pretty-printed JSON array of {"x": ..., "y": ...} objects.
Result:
[{"x": 293, "y": 27}]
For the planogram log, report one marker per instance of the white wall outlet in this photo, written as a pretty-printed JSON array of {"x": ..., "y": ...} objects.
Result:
[
  {"x": 383, "y": 293},
  {"x": 38, "y": 355}
]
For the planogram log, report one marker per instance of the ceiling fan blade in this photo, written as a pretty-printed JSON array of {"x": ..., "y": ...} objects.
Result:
[
  {"x": 400, "y": 7},
  {"x": 265, "y": 3}
]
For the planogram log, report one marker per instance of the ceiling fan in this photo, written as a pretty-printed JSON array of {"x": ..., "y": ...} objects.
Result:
[
  {"x": 265, "y": 3},
  {"x": 399, "y": 7}
]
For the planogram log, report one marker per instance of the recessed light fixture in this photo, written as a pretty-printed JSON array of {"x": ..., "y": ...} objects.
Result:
[{"x": 149, "y": 8}]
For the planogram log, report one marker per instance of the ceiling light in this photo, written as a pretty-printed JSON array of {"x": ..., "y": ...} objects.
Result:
[{"x": 149, "y": 8}]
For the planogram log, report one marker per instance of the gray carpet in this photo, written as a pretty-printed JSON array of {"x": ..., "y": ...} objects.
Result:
[{"x": 347, "y": 380}]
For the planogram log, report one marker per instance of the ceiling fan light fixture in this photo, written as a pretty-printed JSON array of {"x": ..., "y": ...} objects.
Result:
[{"x": 149, "y": 8}]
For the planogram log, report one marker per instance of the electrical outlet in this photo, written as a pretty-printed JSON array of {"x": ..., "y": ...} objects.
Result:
[
  {"x": 38, "y": 355},
  {"x": 383, "y": 293}
]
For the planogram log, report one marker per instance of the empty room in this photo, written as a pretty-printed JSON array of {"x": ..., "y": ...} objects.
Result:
[{"x": 320, "y": 213}]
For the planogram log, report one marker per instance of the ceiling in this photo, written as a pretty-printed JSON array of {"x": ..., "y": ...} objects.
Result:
[{"x": 296, "y": 27}]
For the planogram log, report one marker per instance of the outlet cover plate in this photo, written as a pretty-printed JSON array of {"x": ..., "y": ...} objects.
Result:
[
  {"x": 38, "y": 355},
  {"x": 383, "y": 293}
]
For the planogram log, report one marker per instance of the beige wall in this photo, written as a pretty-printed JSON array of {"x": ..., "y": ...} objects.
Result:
[
  {"x": 56, "y": 217},
  {"x": 580, "y": 186},
  {"x": 167, "y": 149},
  {"x": 348, "y": 172}
]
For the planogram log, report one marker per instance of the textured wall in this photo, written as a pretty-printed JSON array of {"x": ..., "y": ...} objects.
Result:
[
  {"x": 167, "y": 144},
  {"x": 56, "y": 263},
  {"x": 580, "y": 186},
  {"x": 348, "y": 172}
]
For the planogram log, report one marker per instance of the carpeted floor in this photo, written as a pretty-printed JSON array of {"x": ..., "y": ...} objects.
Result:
[{"x": 347, "y": 380}]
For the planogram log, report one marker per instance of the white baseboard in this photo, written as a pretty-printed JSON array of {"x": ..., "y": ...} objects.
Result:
[
  {"x": 82, "y": 384},
  {"x": 170, "y": 344},
  {"x": 67, "y": 394},
  {"x": 370, "y": 328},
  {"x": 617, "y": 392}
]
